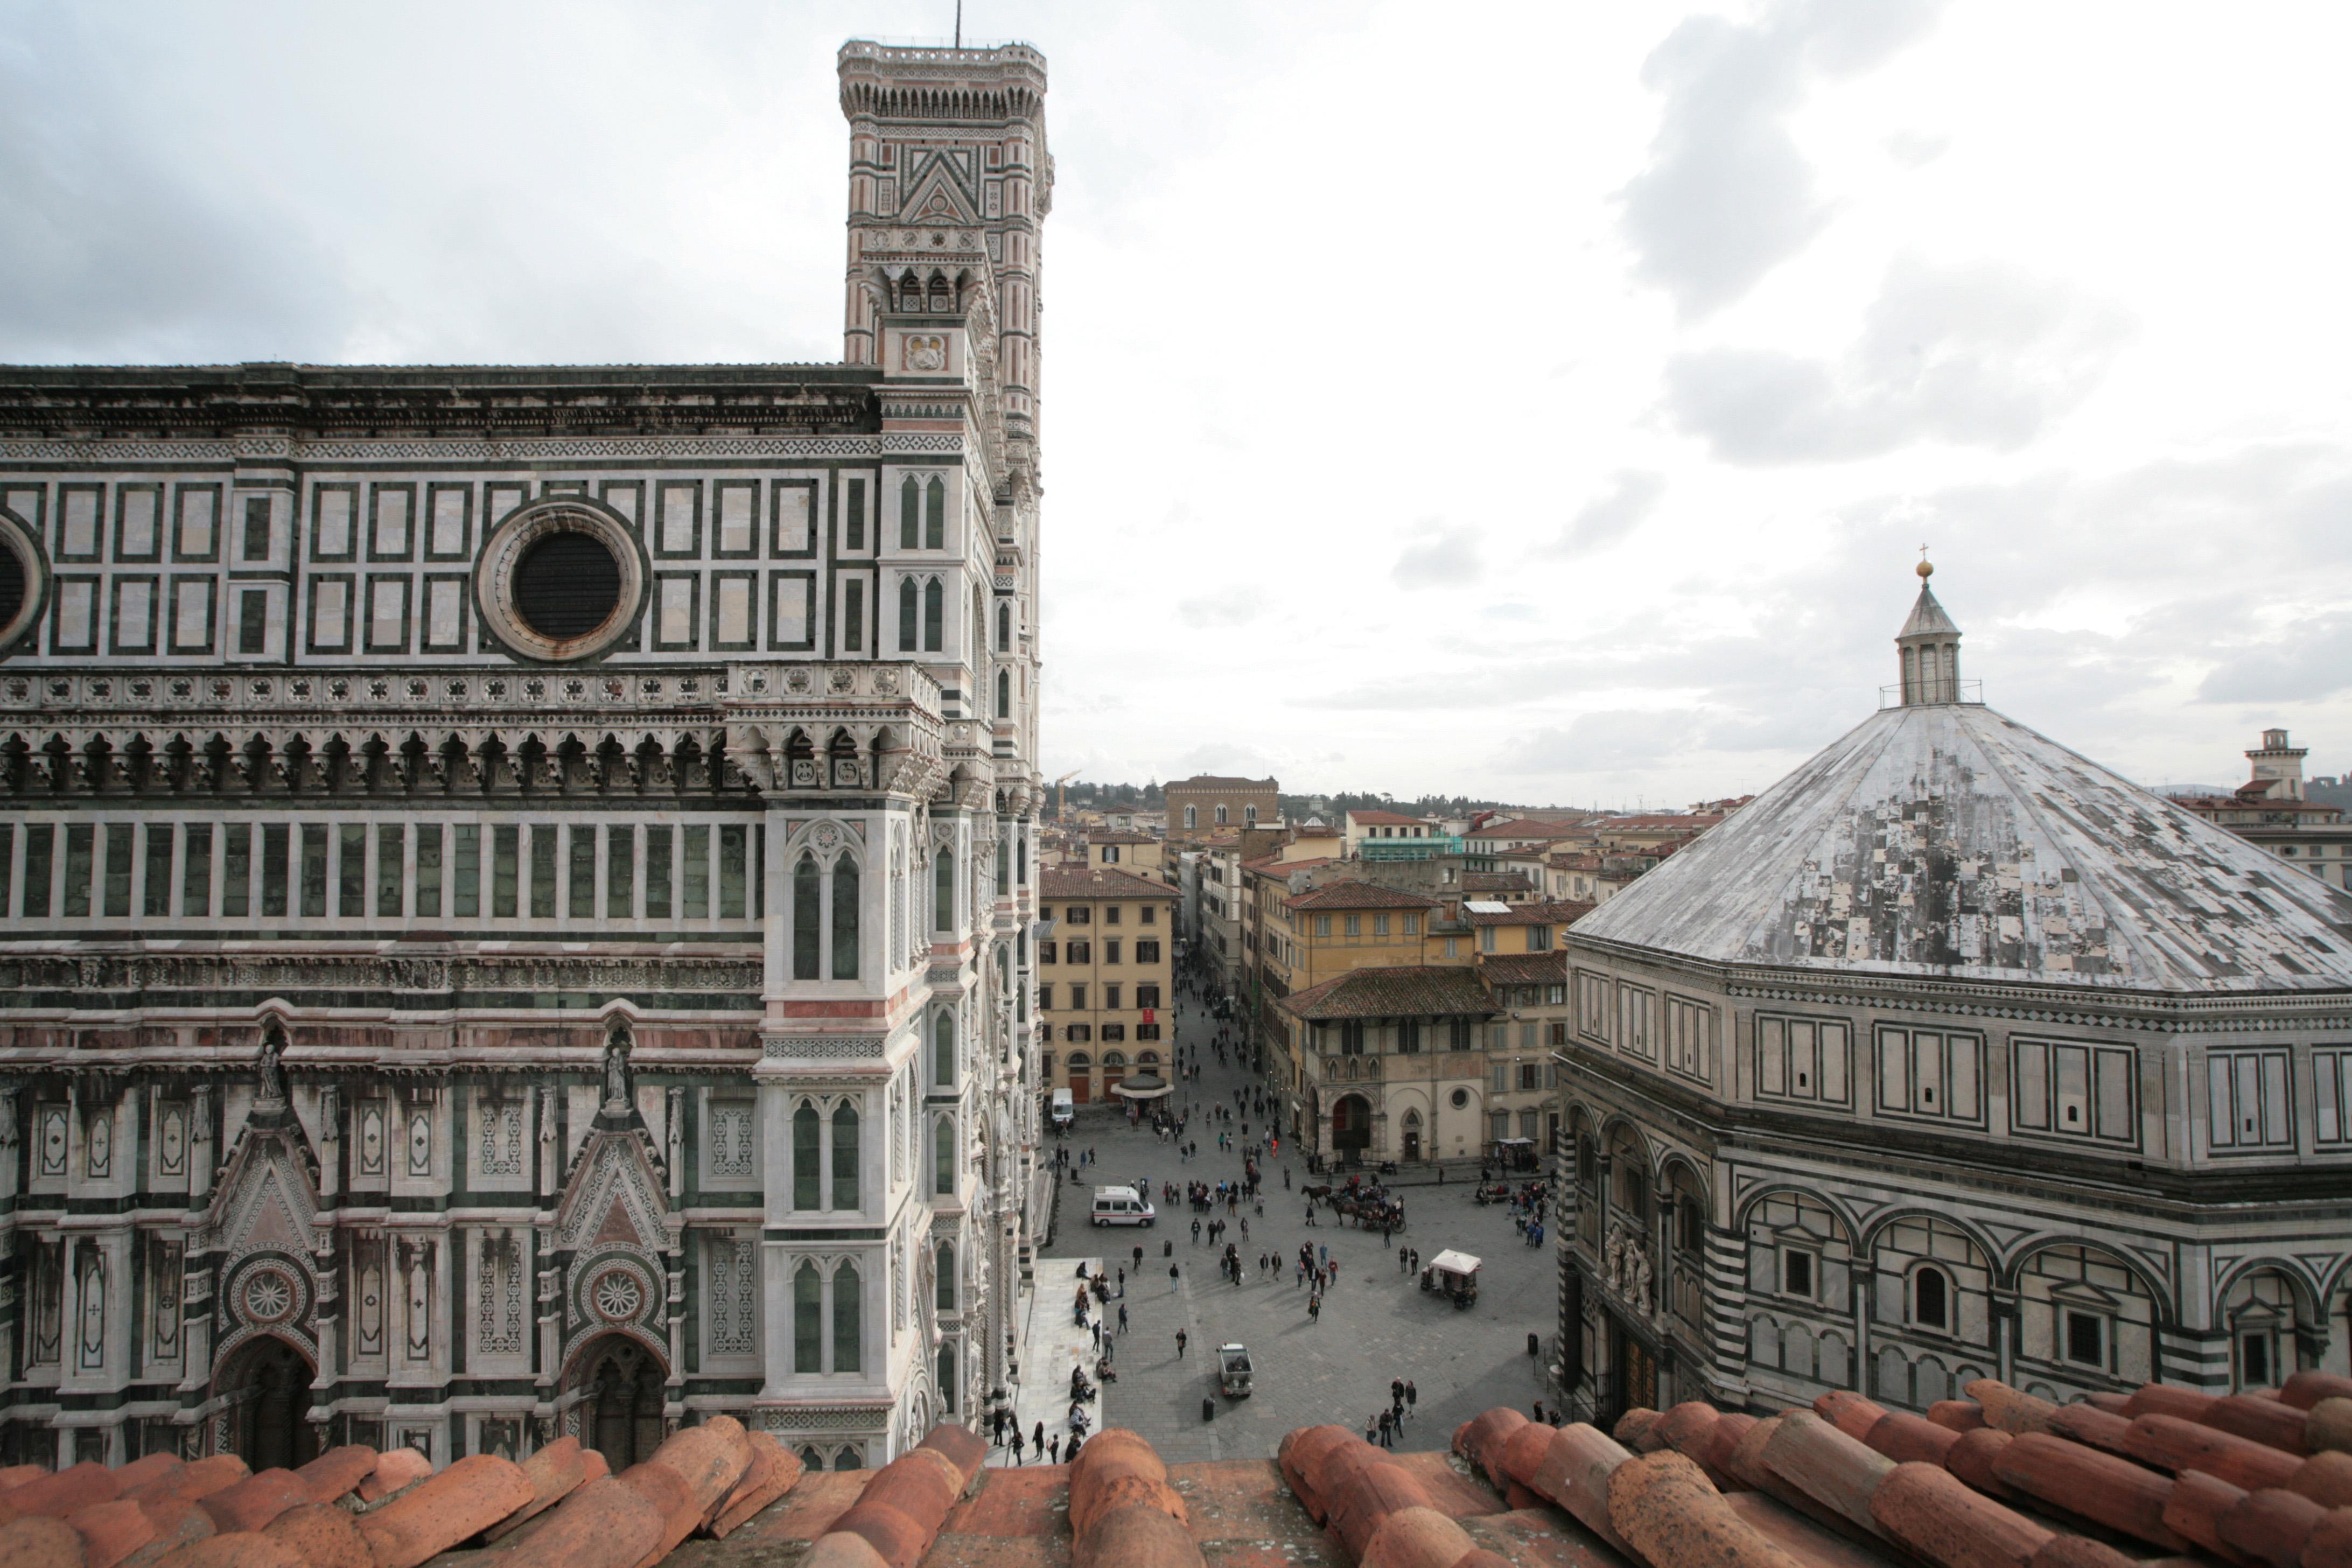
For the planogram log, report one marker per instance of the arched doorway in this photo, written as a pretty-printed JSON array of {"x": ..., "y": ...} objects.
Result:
[
  {"x": 1412, "y": 1134},
  {"x": 267, "y": 1384},
  {"x": 1081, "y": 1078},
  {"x": 1351, "y": 1125},
  {"x": 620, "y": 1382}
]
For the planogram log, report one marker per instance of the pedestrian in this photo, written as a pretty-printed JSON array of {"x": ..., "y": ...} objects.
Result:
[
  {"x": 1412, "y": 1396},
  {"x": 1387, "y": 1430},
  {"x": 1396, "y": 1391},
  {"x": 1038, "y": 1439},
  {"x": 1323, "y": 1251},
  {"x": 1196, "y": 1233},
  {"x": 1182, "y": 1339},
  {"x": 1122, "y": 1284},
  {"x": 1122, "y": 1317},
  {"x": 1053, "y": 1446},
  {"x": 1020, "y": 1452},
  {"x": 1138, "y": 1258},
  {"x": 1404, "y": 1258},
  {"x": 1314, "y": 1309},
  {"x": 1098, "y": 1330}
]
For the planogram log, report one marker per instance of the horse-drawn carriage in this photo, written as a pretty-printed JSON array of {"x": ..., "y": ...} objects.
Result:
[{"x": 1370, "y": 1207}]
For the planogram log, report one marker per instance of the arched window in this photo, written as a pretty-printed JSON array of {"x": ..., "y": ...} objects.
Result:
[
  {"x": 1221, "y": 817},
  {"x": 943, "y": 889},
  {"x": 848, "y": 1335},
  {"x": 944, "y": 1266},
  {"x": 852, "y": 1457},
  {"x": 946, "y": 1380},
  {"x": 808, "y": 1319},
  {"x": 1931, "y": 1298},
  {"x": 845, "y": 1156},
  {"x": 845, "y": 919},
  {"x": 1004, "y": 694},
  {"x": 911, "y": 507},
  {"x": 1021, "y": 857},
  {"x": 1191, "y": 816},
  {"x": 906, "y": 613},
  {"x": 935, "y": 515},
  {"x": 934, "y": 615},
  {"x": 944, "y": 1051},
  {"x": 808, "y": 925},
  {"x": 943, "y": 1160},
  {"x": 1249, "y": 817},
  {"x": 1004, "y": 628},
  {"x": 810, "y": 1458},
  {"x": 805, "y": 1154}
]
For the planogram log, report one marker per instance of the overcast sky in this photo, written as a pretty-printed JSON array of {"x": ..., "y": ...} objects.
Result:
[{"x": 1546, "y": 401}]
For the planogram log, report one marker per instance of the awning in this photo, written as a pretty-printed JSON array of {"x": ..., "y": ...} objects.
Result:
[
  {"x": 1452, "y": 1262},
  {"x": 1143, "y": 1086}
]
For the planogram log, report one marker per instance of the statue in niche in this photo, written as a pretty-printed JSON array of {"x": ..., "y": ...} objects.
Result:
[
  {"x": 617, "y": 1046},
  {"x": 269, "y": 1072}
]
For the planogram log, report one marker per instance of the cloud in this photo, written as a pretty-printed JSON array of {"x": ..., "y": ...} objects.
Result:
[
  {"x": 1612, "y": 514},
  {"x": 1238, "y": 607},
  {"x": 2314, "y": 659},
  {"x": 1606, "y": 742},
  {"x": 1980, "y": 355},
  {"x": 1446, "y": 557},
  {"x": 1727, "y": 196}
]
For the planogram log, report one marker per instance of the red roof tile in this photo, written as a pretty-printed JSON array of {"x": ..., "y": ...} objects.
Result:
[
  {"x": 1098, "y": 882},
  {"x": 1360, "y": 896},
  {"x": 1412, "y": 991}
]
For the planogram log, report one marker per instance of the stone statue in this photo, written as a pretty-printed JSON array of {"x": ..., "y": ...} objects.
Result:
[
  {"x": 1641, "y": 1281},
  {"x": 269, "y": 1073},
  {"x": 617, "y": 1044},
  {"x": 1614, "y": 1258}
]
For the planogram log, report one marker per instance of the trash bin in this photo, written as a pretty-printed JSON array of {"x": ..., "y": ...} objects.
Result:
[
  {"x": 1535, "y": 1344},
  {"x": 1208, "y": 1410},
  {"x": 1166, "y": 1249}
]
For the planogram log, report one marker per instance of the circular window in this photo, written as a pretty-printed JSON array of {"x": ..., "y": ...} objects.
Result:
[
  {"x": 269, "y": 1295},
  {"x": 562, "y": 579},
  {"x": 23, "y": 581},
  {"x": 616, "y": 1296},
  {"x": 566, "y": 585},
  {"x": 1461, "y": 1098}
]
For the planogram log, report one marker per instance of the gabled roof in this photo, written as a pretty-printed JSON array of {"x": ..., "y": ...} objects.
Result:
[
  {"x": 1413, "y": 991},
  {"x": 1097, "y": 882},
  {"x": 1360, "y": 896},
  {"x": 1541, "y": 913},
  {"x": 1524, "y": 968},
  {"x": 1946, "y": 840}
]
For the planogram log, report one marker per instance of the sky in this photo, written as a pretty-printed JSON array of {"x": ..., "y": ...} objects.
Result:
[{"x": 1545, "y": 403}]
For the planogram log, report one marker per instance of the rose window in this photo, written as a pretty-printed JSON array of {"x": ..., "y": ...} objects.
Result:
[
  {"x": 616, "y": 1296},
  {"x": 269, "y": 1296}
]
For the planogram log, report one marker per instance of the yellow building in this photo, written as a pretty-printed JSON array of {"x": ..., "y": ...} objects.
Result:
[
  {"x": 1105, "y": 978},
  {"x": 1138, "y": 852}
]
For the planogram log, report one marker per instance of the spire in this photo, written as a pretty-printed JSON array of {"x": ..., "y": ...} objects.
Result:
[{"x": 1930, "y": 645}]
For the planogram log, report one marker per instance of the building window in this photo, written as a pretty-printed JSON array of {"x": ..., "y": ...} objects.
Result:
[
  {"x": 935, "y": 515},
  {"x": 1485, "y": 939},
  {"x": 943, "y": 1160},
  {"x": 845, "y": 1157},
  {"x": 1322, "y": 925},
  {"x": 1004, "y": 627},
  {"x": 1146, "y": 997},
  {"x": 808, "y": 1319},
  {"x": 1931, "y": 1299},
  {"x": 1147, "y": 952},
  {"x": 905, "y": 614},
  {"x": 1690, "y": 1036},
  {"x": 1192, "y": 817},
  {"x": 943, "y": 889},
  {"x": 944, "y": 1051},
  {"x": 1796, "y": 1273},
  {"x": 2087, "y": 1339},
  {"x": 1539, "y": 939},
  {"x": 848, "y": 1327},
  {"x": 1639, "y": 1007},
  {"x": 1004, "y": 694},
  {"x": 934, "y": 615},
  {"x": 1221, "y": 817},
  {"x": 1409, "y": 1036},
  {"x": 844, "y": 918}
]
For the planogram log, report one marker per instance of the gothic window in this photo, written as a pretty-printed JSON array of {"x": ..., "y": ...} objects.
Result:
[
  {"x": 1191, "y": 816},
  {"x": 805, "y": 1156},
  {"x": 944, "y": 1051},
  {"x": 844, "y": 918},
  {"x": 945, "y": 1263},
  {"x": 806, "y": 925},
  {"x": 947, "y": 1379},
  {"x": 1931, "y": 1294},
  {"x": 911, "y": 506},
  {"x": 934, "y": 615},
  {"x": 1221, "y": 817},
  {"x": 853, "y": 616},
  {"x": 845, "y": 1156},
  {"x": 935, "y": 515},
  {"x": 943, "y": 889},
  {"x": 848, "y": 1337},
  {"x": 1004, "y": 628},
  {"x": 808, "y": 1319},
  {"x": 1004, "y": 694},
  {"x": 943, "y": 1160},
  {"x": 907, "y": 612}
]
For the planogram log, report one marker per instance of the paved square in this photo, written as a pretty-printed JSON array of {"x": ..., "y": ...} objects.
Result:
[{"x": 1376, "y": 1325}]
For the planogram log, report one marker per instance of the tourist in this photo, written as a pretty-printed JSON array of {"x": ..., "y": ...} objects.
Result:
[{"x": 1182, "y": 1339}]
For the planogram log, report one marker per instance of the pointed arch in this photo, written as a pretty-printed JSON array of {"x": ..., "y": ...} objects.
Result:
[
  {"x": 935, "y": 514},
  {"x": 845, "y": 1157},
  {"x": 943, "y": 1160},
  {"x": 844, "y": 915},
  {"x": 1004, "y": 694},
  {"x": 848, "y": 1318},
  {"x": 910, "y": 508},
  {"x": 907, "y": 621},
  {"x": 808, "y": 926},
  {"x": 808, "y": 1319},
  {"x": 934, "y": 616},
  {"x": 807, "y": 1151},
  {"x": 943, "y": 1051},
  {"x": 943, "y": 889},
  {"x": 1004, "y": 626}
]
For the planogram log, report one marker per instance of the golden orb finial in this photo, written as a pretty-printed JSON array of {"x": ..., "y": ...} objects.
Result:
[{"x": 1925, "y": 569}]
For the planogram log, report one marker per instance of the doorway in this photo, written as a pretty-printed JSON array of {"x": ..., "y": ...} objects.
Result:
[
  {"x": 1412, "y": 1134},
  {"x": 621, "y": 1384},
  {"x": 268, "y": 1385},
  {"x": 1636, "y": 1383},
  {"x": 1351, "y": 1125}
]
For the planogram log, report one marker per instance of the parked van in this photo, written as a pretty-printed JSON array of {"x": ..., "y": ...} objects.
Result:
[
  {"x": 1066, "y": 1110},
  {"x": 1122, "y": 1205}
]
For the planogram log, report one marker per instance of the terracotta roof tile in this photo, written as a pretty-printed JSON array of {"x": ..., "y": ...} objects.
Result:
[
  {"x": 1098, "y": 882},
  {"x": 1413, "y": 991},
  {"x": 1360, "y": 896},
  {"x": 1543, "y": 912},
  {"x": 1524, "y": 968}
]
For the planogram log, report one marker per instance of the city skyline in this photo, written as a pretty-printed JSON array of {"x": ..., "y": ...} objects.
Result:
[{"x": 1755, "y": 300}]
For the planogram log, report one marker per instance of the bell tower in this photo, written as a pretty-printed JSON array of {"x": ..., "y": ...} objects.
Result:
[{"x": 949, "y": 181}]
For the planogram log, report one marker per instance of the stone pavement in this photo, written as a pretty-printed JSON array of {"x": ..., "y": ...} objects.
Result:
[
  {"x": 1376, "y": 1324},
  {"x": 1051, "y": 1344}
]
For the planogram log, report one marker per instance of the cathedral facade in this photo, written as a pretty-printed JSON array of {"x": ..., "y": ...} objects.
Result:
[
  {"x": 1955, "y": 1056},
  {"x": 517, "y": 881}
]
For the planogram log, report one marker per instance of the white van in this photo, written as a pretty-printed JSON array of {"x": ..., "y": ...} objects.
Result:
[
  {"x": 1122, "y": 1205},
  {"x": 1066, "y": 1110}
]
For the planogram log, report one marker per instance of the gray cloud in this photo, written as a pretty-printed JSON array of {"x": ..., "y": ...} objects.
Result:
[
  {"x": 1727, "y": 196},
  {"x": 1447, "y": 557},
  {"x": 1238, "y": 607},
  {"x": 1978, "y": 355},
  {"x": 2312, "y": 659},
  {"x": 1612, "y": 514}
]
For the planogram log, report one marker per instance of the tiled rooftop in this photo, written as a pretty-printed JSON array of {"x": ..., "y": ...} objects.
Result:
[
  {"x": 1524, "y": 968},
  {"x": 1544, "y": 912},
  {"x": 1097, "y": 882},
  {"x": 1406, "y": 992},
  {"x": 1360, "y": 896}
]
